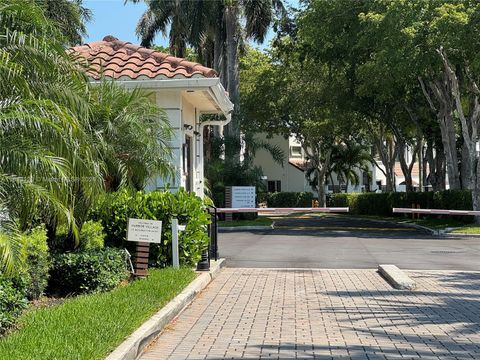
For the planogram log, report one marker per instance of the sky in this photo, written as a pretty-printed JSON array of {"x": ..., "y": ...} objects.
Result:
[{"x": 114, "y": 17}]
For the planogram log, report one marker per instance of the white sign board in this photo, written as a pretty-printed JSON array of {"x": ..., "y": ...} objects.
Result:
[
  {"x": 144, "y": 230},
  {"x": 243, "y": 196}
]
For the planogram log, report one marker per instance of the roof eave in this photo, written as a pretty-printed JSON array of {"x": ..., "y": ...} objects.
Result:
[{"x": 213, "y": 85}]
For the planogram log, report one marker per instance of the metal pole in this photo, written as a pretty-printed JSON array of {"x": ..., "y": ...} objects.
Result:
[
  {"x": 215, "y": 232},
  {"x": 176, "y": 262}
]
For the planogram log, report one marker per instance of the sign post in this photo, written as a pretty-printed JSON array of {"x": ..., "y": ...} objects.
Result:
[
  {"x": 243, "y": 196},
  {"x": 239, "y": 197},
  {"x": 175, "y": 230},
  {"x": 143, "y": 232}
]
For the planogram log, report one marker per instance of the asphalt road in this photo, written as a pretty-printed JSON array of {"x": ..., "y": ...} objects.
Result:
[{"x": 337, "y": 242}]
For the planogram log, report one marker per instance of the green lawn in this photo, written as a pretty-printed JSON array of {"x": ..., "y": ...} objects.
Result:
[
  {"x": 260, "y": 221},
  {"x": 430, "y": 222},
  {"x": 91, "y": 326},
  {"x": 467, "y": 229},
  {"x": 435, "y": 223}
]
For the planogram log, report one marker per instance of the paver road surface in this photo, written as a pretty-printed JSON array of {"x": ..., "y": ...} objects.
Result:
[{"x": 327, "y": 314}]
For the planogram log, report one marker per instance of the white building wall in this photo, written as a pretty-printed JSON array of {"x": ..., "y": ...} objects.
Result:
[
  {"x": 290, "y": 177},
  {"x": 189, "y": 114},
  {"x": 272, "y": 170},
  {"x": 170, "y": 102}
]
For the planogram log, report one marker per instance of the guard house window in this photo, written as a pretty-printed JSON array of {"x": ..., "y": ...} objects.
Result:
[
  {"x": 296, "y": 151},
  {"x": 274, "y": 186}
]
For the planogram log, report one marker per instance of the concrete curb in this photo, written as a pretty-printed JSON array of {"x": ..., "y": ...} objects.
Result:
[
  {"x": 460, "y": 235},
  {"x": 396, "y": 277},
  {"x": 246, "y": 228},
  {"x": 420, "y": 227},
  {"x": 134, "y": 345},
  {"x": 243, "y": 228}
]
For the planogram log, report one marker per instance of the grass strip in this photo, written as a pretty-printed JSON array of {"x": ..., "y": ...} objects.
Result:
[
  {"x": 91, "y": 326},
  {"x": 468, "y": 229},
  {"x": 430, "y": 222},
  {"x": 260, "y": 221}
]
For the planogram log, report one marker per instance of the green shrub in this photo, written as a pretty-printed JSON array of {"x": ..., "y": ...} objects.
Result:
[
  {"x": 289, "y": 199},
  {"x": 381, "y": 204},
  {"x": 37, "y": 261},
  {"x": 12, "y": 301},
  {"x": 87, "y": 271},
  {"x": 115, "y": 209},
  {"x": 92, "y": 236}
]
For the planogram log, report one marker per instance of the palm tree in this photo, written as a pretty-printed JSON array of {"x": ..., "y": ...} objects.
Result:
[
  {"x": 348, "y": 157},
  {"x": 202, "y": 23},
  {"x": 131, "y": 134},
  {"x": 41, "y": 123},
  {"x": 70, "y": 16},
  {"x": 63, "y": 141}
]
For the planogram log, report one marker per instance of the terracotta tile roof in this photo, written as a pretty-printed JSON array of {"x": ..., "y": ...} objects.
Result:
[
  {"x": 300, "y": 164},
  {"x": 118, "y": 59},
  {"x": 415, "y": 170}
]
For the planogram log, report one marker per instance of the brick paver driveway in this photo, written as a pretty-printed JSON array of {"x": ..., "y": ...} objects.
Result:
[{"x": 327, "y": 314}]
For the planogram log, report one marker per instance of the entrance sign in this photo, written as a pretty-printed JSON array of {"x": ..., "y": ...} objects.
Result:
[
  {"x": 243, "y": 196},
  {"x": 140, "y": 230}
]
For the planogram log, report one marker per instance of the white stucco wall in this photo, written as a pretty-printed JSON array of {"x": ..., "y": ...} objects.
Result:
[
  {"x": 171, "y": 102},
  {"x": 292, "y": 179}
]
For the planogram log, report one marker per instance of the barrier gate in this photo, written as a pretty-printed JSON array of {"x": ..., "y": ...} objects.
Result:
[{"x": 212, "y": 228}]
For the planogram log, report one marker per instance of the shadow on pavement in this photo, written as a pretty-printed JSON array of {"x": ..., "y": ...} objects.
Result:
[{"x": 404, "y": 330}]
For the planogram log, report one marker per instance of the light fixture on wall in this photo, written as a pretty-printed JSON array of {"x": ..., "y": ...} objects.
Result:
[
  {"x": 196, "y": 133},
  {"x": 188, "y": 127}
]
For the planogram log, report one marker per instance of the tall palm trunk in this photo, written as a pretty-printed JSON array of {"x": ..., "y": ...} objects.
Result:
[
  {"x": 218, "y": 58},
  {"x": 232, "y": 37}
]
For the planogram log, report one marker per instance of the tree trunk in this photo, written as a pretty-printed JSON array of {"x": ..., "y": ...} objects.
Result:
[
  {"x": 421, "y": 171},
  {"x": 322, "y": 197},
  {"x": 232, "y": 34},
  {"x": 435, "y": 157},
  {"x": 466, "y": 169},
  {"x": 322, "y": 166},
  {"x": 476, "y": 192},
  {"x": 407, "y": 168},
  {"x": 441, "y": 170},
  {"x": 469, "y": 125},
  {"x": 218, "y": 58},
  {"x": 388, "y": 154},
  {"x": 447, "y": 130},
  {"x": 441, "y": 91}
]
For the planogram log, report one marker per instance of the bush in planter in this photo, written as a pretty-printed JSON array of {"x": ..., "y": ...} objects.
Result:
[
  {"x": 12, "y": 300},
  {"x": 115, "y": 209},
  {"x": 37, "y": 261},
  {"x": 87, "y": 271}
]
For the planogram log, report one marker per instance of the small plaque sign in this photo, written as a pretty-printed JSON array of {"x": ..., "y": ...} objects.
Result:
[
  {"x": 140, "y": 230},
  {"x": 243, "y": 196}
]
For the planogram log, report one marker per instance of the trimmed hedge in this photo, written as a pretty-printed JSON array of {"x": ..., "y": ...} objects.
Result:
[
  {"x": 114, "y": 210},
  {"x": 88, "y": 271},
  {"x": 381, "y": 204},
  {"x": 289, "y": 199}
]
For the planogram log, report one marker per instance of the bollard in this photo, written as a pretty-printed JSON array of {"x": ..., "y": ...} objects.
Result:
[
  {"x": 175, "y": 229},
  {"x": 204, "y": 264}
]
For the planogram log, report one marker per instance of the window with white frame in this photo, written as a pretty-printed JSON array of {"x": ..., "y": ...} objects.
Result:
[{"x": 296, "y": 151}]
